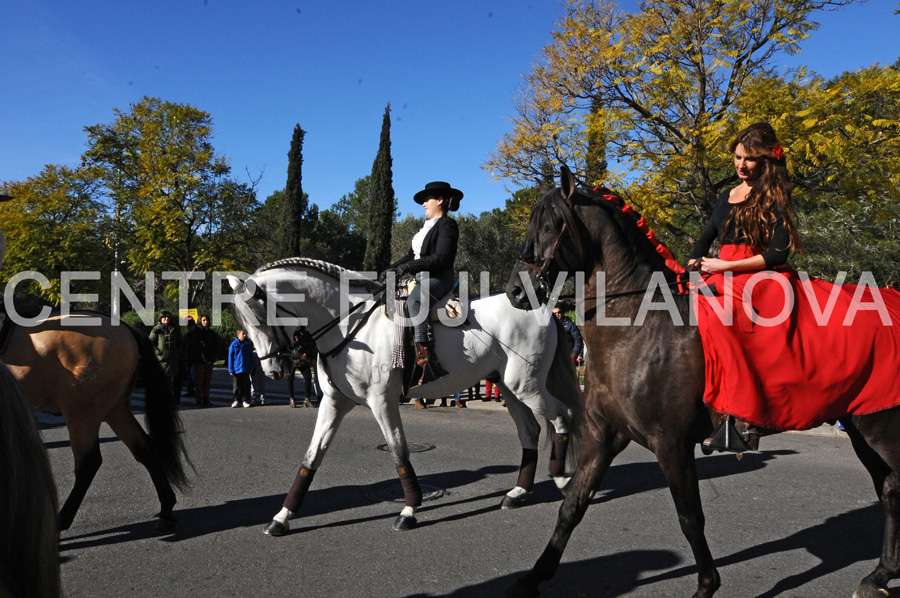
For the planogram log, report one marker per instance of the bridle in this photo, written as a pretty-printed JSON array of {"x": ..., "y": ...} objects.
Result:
[
  {"x": 543, "y": 283},
  {"x": 283, "y": 350}
]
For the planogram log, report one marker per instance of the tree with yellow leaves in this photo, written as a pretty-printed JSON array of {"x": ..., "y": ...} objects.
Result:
[
  {"x": 52, "y": 225},
  {"x": 175, "y": 206},
  {"x": 659, "y": 88}
]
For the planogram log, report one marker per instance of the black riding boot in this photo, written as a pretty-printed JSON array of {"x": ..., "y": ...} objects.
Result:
[{"x": 427, "y": 360}]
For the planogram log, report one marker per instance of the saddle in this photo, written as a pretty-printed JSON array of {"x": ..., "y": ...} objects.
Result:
[{"x": 404, "y": 356}]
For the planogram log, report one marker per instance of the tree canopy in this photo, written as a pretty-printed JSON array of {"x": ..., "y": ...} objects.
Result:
[
  {"x": 173, "y": 203},
  {"x": 657, "y": 89}
]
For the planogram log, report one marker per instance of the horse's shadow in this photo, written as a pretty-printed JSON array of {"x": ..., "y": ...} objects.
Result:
[
  {"x": 257, "y": 511},
  {"x": 622, "y": 480},
  {"x": 582, "y": 578},
  {"x": 838, "y": 543}
]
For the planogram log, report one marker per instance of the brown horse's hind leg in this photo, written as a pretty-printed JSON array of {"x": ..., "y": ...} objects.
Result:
[
  {"x": 680, "y": 468},
  {"x": 87, "y": 462},
  {"x": 599, "y": 448},
  {"x": 880, "y": 457},
  {"x": 126, "y": 427}
]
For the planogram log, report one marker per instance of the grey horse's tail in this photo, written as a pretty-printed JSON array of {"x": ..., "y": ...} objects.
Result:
[
  {"x": 562, "y": 382},
  {"x": 162, "y": 416}
]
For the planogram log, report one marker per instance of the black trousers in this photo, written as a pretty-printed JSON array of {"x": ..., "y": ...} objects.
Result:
[{"x": 240, "y": 386}]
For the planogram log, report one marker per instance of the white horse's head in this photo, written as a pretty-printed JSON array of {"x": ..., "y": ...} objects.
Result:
[{"x": 279, "y": 297}]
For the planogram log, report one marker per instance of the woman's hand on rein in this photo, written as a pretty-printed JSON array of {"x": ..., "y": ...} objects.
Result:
[{"x": 712, "y": 265}]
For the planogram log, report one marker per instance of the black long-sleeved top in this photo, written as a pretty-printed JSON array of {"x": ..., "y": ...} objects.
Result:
[
  {"x": 438, "y": 251},
  {"x": 776, "y": 255}
]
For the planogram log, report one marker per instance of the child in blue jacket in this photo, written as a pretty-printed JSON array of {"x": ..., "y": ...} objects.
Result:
[{"x": 240, "y": 365}]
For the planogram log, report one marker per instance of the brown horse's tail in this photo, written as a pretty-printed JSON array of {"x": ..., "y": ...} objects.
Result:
[
  {"x": 162, "y": 414},
  {"x": 562, "y": 382},
  {"x": 29, "y": 538}
]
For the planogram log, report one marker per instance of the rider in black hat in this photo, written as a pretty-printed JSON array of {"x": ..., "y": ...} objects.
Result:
[{"x": 430, "y": 259}]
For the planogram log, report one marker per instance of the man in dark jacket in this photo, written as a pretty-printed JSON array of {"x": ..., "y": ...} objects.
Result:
[
  {"x": 207, "y": 340},
  {"x": 576, "y": 343},
  {"x": 168, "y": 346}
]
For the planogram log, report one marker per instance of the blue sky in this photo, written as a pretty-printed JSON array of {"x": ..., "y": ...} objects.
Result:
[{"x": 449, "y": 69}]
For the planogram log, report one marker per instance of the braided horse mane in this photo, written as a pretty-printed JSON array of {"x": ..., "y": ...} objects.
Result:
[
  {"x": 323, "y": 267},
  {"x": 635, "y": 220}
]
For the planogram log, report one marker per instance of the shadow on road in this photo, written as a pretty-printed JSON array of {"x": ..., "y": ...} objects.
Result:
[
  {"x": 837, "y": 543},
  {"x": 601, "y": 577}
]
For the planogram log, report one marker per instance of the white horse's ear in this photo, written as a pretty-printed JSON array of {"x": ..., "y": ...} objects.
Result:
[
  {"x": 567, "y": 182},
  {"x": 234, "y": 281}
]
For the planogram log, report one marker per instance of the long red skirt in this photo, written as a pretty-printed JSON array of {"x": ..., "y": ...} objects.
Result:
[{"x": 835, "y": 351}]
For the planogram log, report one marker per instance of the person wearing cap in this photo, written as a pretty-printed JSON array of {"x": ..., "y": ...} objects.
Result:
[{"x": 430, "y": 259}]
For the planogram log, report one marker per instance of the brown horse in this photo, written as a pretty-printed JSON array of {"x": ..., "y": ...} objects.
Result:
[
  {"x": 29, "y": 540},
  {"x": 645, "y": 383},
  {"x": 87, "y": 373}
]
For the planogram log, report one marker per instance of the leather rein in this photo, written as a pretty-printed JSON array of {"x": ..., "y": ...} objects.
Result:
[
  {"x": 544, "y": 283},
  {"x": 284, "y": 350}
]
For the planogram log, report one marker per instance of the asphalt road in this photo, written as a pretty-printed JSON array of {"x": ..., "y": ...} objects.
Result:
[{"x": 798, "y": 519}]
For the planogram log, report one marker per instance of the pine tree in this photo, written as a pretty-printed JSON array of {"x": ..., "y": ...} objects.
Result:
[
  {"x": 381, "y": 206},
  {"x": 295, "y": 201}
]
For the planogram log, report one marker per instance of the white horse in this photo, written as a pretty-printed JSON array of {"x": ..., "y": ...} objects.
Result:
[{"x": 521, "y": 350}]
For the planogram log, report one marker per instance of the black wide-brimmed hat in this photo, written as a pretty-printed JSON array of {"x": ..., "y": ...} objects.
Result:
[{"x": 440, "y": 189}]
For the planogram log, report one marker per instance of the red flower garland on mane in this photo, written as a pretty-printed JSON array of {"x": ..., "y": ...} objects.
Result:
[{"x": 661, "y": 249}]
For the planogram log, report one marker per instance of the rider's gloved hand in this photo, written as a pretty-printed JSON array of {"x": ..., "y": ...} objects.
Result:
[{"x": 398, "y": 270}]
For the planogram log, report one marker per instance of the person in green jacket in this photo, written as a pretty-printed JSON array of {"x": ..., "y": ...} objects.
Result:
[{"x": 167, "y": 343}]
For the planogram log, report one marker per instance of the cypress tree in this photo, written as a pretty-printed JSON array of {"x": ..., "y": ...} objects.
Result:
[
  {"x": 294, "y": 200},
  {"x": 381, "y": 204}
]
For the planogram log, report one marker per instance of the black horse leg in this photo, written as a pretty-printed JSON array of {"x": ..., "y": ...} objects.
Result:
[
  {"x": 680, "y": 468},
  {"x": 600, "y": 446},
  {"x": 85, "y": 469},
  {"x": 887, "y": 487}
]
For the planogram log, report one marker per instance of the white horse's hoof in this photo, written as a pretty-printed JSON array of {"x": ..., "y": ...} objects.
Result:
[
  {"x": 405, "y": 523},
  {"x": 277, "y": 528},
  {"x": 512, "y": 502}
]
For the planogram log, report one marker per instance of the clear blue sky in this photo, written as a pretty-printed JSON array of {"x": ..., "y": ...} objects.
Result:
[{"x": 449, "y": 69}]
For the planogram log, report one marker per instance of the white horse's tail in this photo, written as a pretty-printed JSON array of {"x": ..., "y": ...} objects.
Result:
[{"x": 562, "y": 382}]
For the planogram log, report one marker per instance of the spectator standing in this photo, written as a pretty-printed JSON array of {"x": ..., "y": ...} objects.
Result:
[
  {"x": 167, "y": 344},
  {"x": 191, "y": 356},
  {"x": 576, "y": 343},
  {"x": 240, "y": 362},
  {"x": 490, "y": 388},
  {"x": 303, "y": 358},
  {"x": 208, "y": 342}
]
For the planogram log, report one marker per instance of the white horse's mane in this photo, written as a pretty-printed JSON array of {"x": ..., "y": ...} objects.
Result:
[{"x": 323, "y": 267}]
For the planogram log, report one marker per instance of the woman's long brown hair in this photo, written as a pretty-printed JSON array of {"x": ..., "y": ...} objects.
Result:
[{"x": 754, "y": 218}]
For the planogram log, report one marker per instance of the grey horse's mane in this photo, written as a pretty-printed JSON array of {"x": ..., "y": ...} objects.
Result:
[{"x": 326, "y": 268}]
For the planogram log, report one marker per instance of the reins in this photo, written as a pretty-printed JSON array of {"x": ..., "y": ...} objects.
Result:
[
  {"x": 541, "y": 273},
  {"x": 283, "y": 350}
]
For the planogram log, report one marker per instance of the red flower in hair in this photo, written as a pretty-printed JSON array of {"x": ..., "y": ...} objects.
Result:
[{"x": 778, "y": 151}]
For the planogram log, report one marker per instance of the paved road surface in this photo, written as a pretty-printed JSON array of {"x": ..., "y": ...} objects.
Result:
[{"x": 800, "y": 520}]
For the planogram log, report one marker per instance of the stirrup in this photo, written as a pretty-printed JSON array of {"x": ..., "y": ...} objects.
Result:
[{"x": 726, "y": 438}]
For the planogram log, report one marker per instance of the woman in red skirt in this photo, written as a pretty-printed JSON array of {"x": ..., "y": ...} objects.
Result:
[{"x": 784, "y": 351}]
